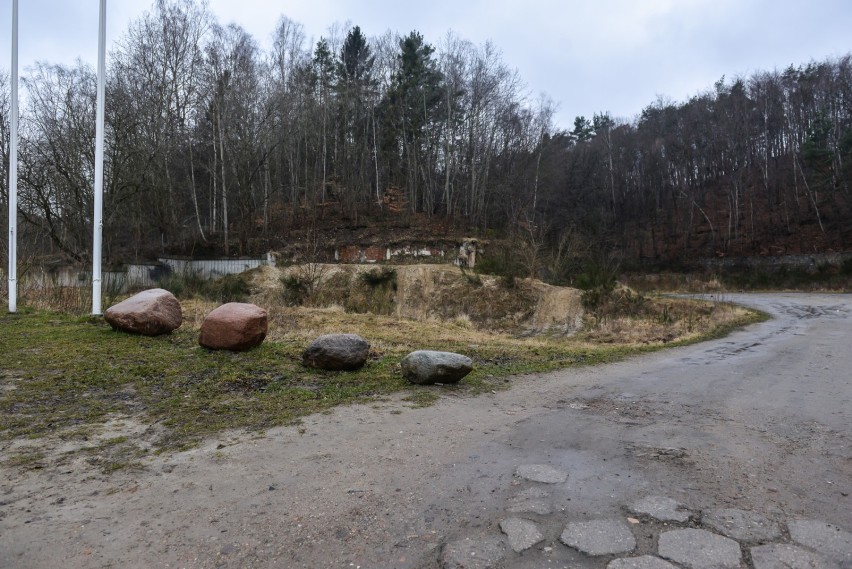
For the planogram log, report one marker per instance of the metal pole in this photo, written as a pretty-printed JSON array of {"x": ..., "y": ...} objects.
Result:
[
  {"x": 13, "y": 169},
  {"x": 97, "y": 229}
]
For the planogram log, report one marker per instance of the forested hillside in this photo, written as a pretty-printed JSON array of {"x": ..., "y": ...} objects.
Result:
[{"x": 215, "y": 145}]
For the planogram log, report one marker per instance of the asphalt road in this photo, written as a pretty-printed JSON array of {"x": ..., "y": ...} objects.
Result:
[{"x": 760, "y": 421}]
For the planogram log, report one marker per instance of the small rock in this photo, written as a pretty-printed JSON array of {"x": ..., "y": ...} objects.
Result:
[
  {"x": 741, "y": 525},
  {"x": 234, "y": 326},
  {"x": 481, "y": 553},
  {"x": 829, "y": 540},
  {"x": 541, "y": 473},
  {"x": 785, "y": 556},
  {"x": 426, "y": 367},
  {"x": 151, "y": 313},
  {"x": 599, "y": 537},
  {"x": 661, "y": 508},
  {"x": 337, "y": 352},
  {"x": 700, "y": 549},
  {"x": 522, "y": 534},
  {"x": 643, "y": 562}
]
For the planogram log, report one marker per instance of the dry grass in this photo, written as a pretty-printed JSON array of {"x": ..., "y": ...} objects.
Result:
[
  {"x": 664, "y": 320},
  {"x": 425, "y": 293},
  {"x": 60, "y": 373}
]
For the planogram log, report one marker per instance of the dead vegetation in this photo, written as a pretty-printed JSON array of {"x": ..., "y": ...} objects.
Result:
[
  {"x": 73, "y": 389},
  {"x": 438, "y": 293}
]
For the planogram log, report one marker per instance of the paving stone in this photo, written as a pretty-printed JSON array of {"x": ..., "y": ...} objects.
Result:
[
  {"x": 785, "y": 556},
  {"x": 741, "y": 525},
  {"x": 643, "y": 562},
  {"x": 522, "y": 534},
  {"x": 530, "y": 501},
  {"x": 661, "y": 508},
  {"x": 473, "y": 553},
  {"x": 599, "y": 537},
  {"x": 541, "y": 473},
  {"x": 699, "y": 549},
  {"x": 831, "y": 541}
]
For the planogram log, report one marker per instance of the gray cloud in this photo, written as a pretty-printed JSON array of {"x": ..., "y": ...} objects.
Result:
[{"x": 589, "y": 56}]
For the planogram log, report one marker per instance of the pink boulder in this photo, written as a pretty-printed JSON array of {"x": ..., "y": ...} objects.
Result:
[
  {"x": 234, "y": 326},
  {"x": 150, "y": 312}
]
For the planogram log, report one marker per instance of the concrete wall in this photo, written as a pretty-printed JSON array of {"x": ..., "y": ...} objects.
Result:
[
  {"x": 143, "y": 275},
  {"x": 378, "y": 254},
  {"x": 418, "y": 252}
]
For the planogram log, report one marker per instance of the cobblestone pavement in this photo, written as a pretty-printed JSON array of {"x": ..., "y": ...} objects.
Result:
[{"x": 654, "y": 532}]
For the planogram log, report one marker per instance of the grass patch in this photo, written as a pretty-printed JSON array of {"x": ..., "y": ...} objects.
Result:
[
  {"x": 822, "y": 277},
  {"x": 25, "y": 459},
  {"x": 61, "y": 374}
]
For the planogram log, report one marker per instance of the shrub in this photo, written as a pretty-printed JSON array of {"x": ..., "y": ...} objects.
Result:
[
  {"x": 296, "y": 289},
  {"x": 188, "y": 284},
  {"x": 502, "y": 262},
  {"x": 303, "y": 283},
  {"x": 230, "y": 288},
  {"x": 379, "y": 276}
]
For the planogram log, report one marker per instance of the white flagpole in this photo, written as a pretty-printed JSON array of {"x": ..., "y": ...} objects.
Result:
[
  {"x": 97, "y": 228},
  {"x": 13, "y": 169}
]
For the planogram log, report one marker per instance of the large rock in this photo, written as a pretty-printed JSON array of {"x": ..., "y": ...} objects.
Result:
[
  {"x": 234, "y": 326},
  {"x": 741, "y": 525},
  {"x": 599, "y": 537},
  {"x": 522, "y": 534},
  {"x": 337, "y": 352},
  {"x": 699, "y": 549},
  {"x": 830, "y": 540},
  {"x": 150, "y": 312},
  {"x": 426, "y": 367}
]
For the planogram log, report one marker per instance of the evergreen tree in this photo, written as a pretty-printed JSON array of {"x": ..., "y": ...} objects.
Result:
[{"x": 412, "y": 106}]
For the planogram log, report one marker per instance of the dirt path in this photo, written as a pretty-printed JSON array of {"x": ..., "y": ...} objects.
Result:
[{"x": 761, "y": 420}]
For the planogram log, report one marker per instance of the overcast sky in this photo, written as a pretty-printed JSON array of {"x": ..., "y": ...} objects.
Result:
[{"x": 587, "y": 55}]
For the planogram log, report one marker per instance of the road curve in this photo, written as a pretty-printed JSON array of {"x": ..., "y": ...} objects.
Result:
[{"x": 759, "y": 421}]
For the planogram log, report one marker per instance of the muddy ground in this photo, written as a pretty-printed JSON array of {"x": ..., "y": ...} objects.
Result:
[{"x": 760, "y": 420}]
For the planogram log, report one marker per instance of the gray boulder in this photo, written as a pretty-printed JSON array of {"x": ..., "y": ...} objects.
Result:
[
  {"x": 337, "y": 352},
  {"x": 426, "y": 367},
  {"x": 151, "y": 313},
  {"x": 234, "y": 326}
]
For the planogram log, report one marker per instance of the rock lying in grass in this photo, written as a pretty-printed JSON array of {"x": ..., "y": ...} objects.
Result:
[
  {"x": 151, "y": 313},
  {"x": 426, "y": 367},
  {"x": 337, "y": 352},
  {"x": 234, "y": 326}
]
